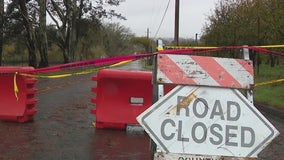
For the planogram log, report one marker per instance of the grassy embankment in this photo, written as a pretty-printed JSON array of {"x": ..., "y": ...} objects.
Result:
[{"x": 271, "y": 94}]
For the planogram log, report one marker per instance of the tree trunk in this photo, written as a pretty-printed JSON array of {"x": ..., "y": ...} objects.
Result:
[
  {"x": 69, "y": 34},
  {"x": 68, "y": 30},
  {"x": 43, "y": 38},
  {"x": 65, "y": 56},
  {"x": 30, "y": 34},
  {"x": 1, "y": 29}
]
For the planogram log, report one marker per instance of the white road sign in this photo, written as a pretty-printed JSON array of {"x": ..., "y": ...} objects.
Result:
[{"x": 207, "y": 121}]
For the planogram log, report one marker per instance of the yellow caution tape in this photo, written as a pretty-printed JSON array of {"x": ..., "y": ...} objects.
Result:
[
  {"x": 16, "y": 89},
  {"x": 43, "y": 76},
  {"x": 272, "y": 46},
  {"x": 75, "y": 73},
  {"x": 120, "y": 63},
  {"x": 190, "y": 47},
  {"x": 213, "y": 47},
  {"x": 159, "y": 48},
  {"x": 94, "y": 124},
  {"x": 269, "y": 82}
]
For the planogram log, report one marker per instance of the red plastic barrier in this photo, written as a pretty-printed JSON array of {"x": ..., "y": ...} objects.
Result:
[
  {"x": 21, "y": 109},
  {"x": 121, "y": 96}
]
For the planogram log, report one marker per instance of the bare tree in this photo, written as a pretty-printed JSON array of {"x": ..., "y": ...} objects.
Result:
[
  {"x": 42, "y": 34},
  {"x": 1, "y": 29},
  {"x": 30, "y": 33},
  {"x": 67, "y": 15}
]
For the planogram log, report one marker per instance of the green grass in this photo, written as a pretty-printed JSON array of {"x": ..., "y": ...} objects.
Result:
[
  {"x": 145, "y": 64},
  {"x": 272, "y": 94}
]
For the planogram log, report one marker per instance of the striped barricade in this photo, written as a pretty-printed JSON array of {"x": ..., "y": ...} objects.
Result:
[{"x": 206, "y": 71}]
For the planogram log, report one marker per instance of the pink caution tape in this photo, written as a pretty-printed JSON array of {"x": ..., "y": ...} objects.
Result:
[
  {"x": 94, "y": 62},
  {"x": 112, "y": 60}
]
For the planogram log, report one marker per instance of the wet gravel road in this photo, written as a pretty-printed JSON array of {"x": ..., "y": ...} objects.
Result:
[{"x": 62, "y": 129}]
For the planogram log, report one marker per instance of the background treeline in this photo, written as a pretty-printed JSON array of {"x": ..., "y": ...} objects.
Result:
[
  {"x": 251, "y": 22},
  {"x": 246, "y": 22},
  {"x": 75, "y": 31}
]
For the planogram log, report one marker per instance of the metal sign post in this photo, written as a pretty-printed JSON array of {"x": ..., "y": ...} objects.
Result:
[{"x": 207, "y": 116}]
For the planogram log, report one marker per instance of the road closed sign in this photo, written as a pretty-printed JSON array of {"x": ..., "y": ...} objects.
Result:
[{"x": 207, "y": 121}]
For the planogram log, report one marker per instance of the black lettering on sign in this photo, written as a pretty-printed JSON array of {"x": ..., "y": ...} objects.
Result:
[
  {"x": 237, "y": 114},
  {"x": 200, "y": 109},
  {"x": 180, "y": 136},
  {"x": 195, "y": 158},
  {"x": 217, "y": 110},
  {"x": 217, "y": 140},
  {"x": 204, "y": 132},
  {"x": 201, "y": 104},
  {"x": 165, "y": 122},
  {"x": 250, "y": 133},
  {"x": 231, "y": 135}
]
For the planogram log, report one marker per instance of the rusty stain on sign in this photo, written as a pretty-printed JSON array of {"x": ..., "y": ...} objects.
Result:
[
  {"x": 188, "y": 99},
  {"x": 183, "y": 103}
]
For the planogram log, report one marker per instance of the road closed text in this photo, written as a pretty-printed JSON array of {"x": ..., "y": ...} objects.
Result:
[{"x": 222, "y": 132}]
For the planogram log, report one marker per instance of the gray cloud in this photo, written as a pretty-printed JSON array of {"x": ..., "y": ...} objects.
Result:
[{"x": 143, "y": 14}]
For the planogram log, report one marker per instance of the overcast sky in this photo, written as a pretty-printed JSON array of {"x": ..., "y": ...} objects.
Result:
[{"x": 143, "y": 14}]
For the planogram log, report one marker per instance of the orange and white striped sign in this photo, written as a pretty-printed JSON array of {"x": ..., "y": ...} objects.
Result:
[{"x": 205, "y": 71}]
